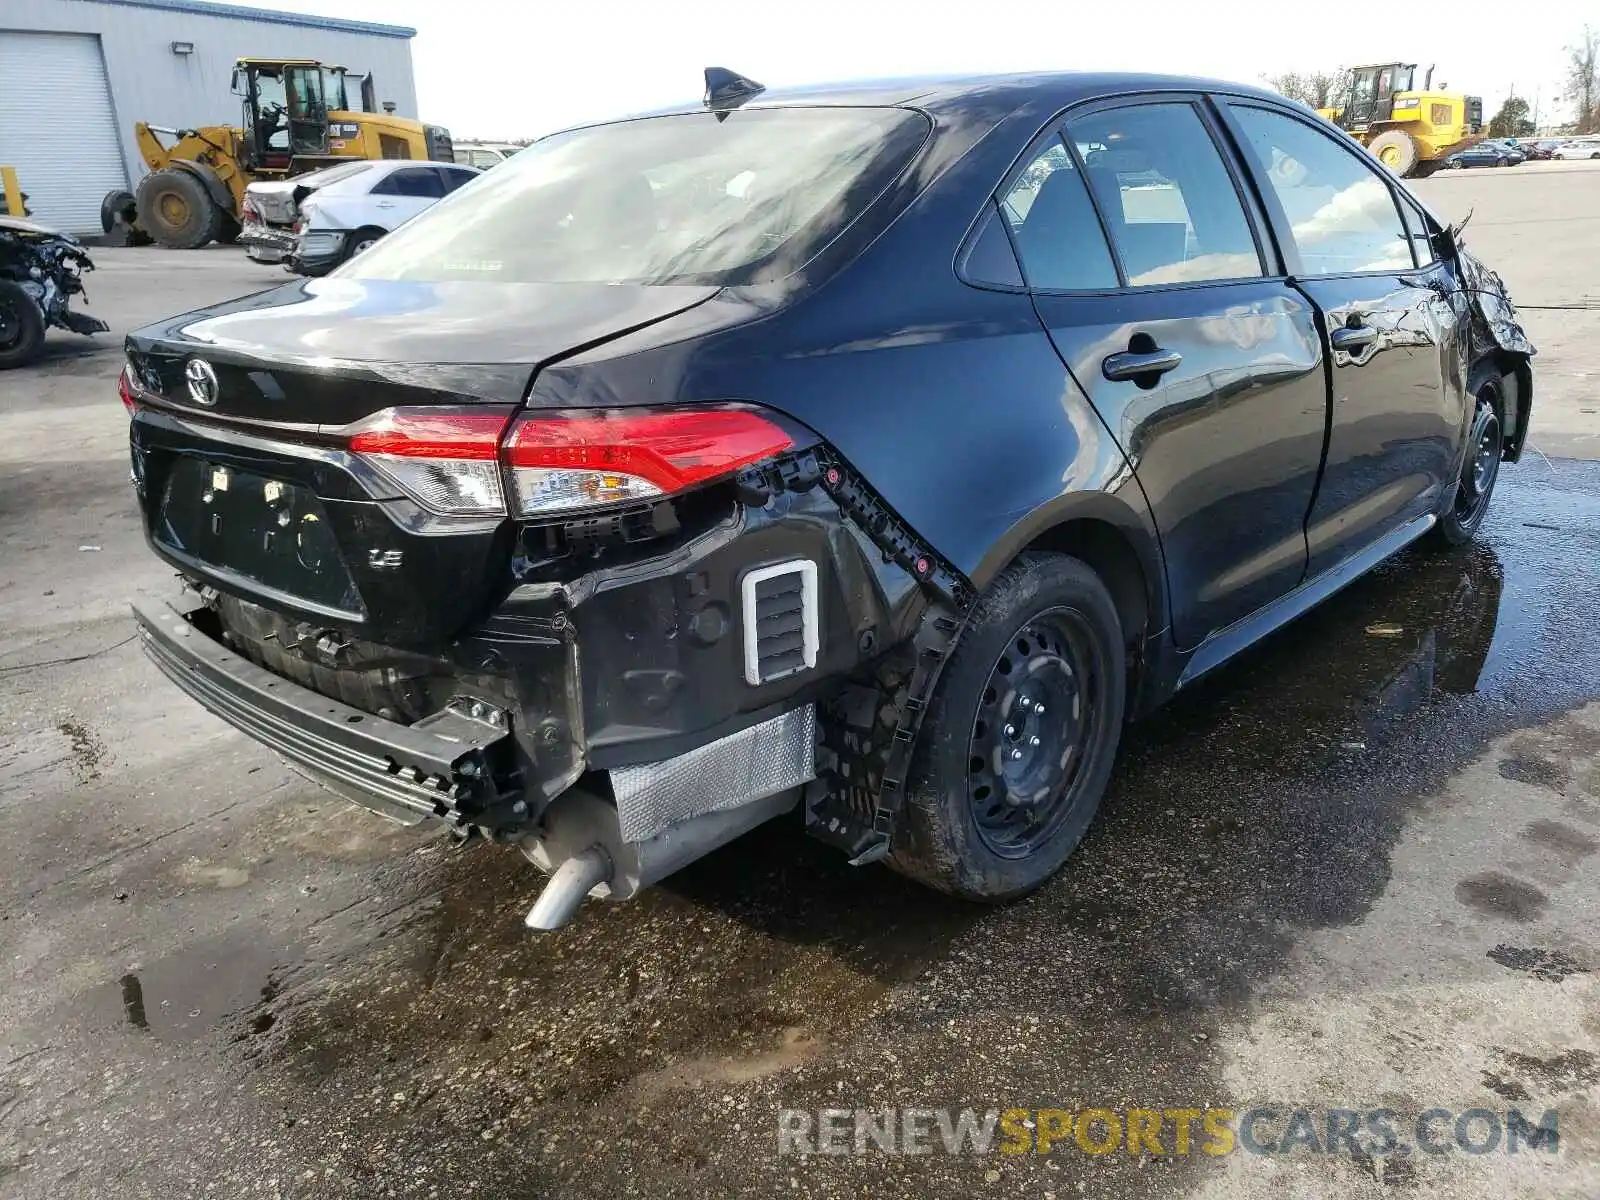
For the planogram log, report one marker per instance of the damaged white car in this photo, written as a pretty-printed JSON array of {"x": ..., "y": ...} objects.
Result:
[{"x": 314, "y": 222}]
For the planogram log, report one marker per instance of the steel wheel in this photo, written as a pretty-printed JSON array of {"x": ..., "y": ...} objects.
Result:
[
  {"x": 1034, "y": 722},
  {"x": 1482, "y": 467}
]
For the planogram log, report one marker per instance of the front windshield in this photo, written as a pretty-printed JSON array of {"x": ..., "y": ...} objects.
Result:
[
  {"x": 333, "y": 91},
  {"x": 720, "y": 198}
]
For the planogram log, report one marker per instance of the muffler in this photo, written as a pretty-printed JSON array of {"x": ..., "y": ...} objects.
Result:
[
  {"x": 582, "y": 848},
  {"x": 668, "y": 813}
]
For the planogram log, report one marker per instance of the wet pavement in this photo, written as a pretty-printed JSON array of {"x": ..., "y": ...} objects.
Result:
[
  {"x": 1355, "y": 868},
  {"x": 288, "y": 997}
]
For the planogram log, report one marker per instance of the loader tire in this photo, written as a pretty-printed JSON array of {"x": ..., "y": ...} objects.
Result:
[
  {"x": 118, "y": 206},
  {"x": 1395, "y": 149},
  {"x": 176, "y": 210}
]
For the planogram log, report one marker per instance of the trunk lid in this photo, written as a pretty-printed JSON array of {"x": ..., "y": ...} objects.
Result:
[
  {"x": 276, "y": 202},
  {"x": 238, "y": 439},
  {"x": 322, "y": 353}
]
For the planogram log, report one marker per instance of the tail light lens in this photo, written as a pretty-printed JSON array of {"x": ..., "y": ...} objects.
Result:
[
  {"x": 452, "y": 461},
  {"x": 125, "y": 392},
  {"x": 444, "y": 459},
  {"x": 572, "y": 460}
]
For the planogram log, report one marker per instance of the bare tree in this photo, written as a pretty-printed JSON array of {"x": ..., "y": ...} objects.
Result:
[
  {"x": 1583, "y": 82},
  {"x": 1318, "y": 89}
]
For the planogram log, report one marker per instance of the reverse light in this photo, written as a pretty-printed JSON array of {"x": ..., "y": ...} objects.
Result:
[
  {"x": 443, "y": 458},
  {"x": 580, "y": 459}
]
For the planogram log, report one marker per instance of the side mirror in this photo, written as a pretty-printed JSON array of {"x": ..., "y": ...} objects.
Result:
[{"x": 237, "y": 86}]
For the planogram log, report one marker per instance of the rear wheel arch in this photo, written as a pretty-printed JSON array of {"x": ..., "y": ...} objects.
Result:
[
  {"x": 1109, "y": 552},
  {"x": 1104, "y": 532},
  {"x": 1517, "y": 387},
  {"x": 364, "y": 235}
]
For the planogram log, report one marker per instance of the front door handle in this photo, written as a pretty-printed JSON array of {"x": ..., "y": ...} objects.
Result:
[
  {"x": 1139, "y": 365},
  {"x": 384, "y": 204},
  {"x": 1353, "y": 337}
]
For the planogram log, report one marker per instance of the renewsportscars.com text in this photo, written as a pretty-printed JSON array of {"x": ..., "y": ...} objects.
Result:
[{"x": 1261, "y": 1130}]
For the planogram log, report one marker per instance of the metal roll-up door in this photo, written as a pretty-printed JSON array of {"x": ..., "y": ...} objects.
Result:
[{"x": 57, "y": 127}]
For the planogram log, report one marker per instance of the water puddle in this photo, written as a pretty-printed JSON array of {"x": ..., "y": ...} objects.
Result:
[{"x": 201, "y": 989}]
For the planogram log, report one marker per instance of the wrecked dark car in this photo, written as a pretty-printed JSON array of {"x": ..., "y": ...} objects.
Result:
[
  {"x": 41, "y": 270},
  {"x": 869, "y": 453}
]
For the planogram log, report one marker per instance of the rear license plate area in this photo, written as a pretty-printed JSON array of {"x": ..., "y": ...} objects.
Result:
[{"x": 270, "y": 531}]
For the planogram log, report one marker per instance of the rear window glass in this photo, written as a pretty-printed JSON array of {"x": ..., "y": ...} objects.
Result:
[
  {"x": 327, "y": 175},
  {"x": 685, "y": 198}
]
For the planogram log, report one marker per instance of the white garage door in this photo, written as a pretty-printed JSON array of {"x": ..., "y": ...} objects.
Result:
[{"x": 57, "y": 128}]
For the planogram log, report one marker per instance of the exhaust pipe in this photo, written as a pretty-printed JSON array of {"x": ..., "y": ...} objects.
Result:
[
  {"x": 583, "y": 850},
  {"x": 573, "y": 880}
]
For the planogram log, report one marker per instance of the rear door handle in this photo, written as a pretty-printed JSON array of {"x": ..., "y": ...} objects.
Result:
[
  {"x": 1130, "y": 364},
  {"x": 384, "y": 204},
  {"x": 1353, "y": 337}
]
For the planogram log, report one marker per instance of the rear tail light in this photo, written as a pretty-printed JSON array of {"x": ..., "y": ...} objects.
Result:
[
  {"x": 125, "y": 392},
  {"x": 444, "y": 459},
  {"x": 452, "y": 461},
  {"x": 574, "y": 460}
]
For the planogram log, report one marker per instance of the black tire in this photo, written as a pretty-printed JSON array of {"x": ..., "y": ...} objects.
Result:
[
  {"x": 953, "y": 832},
  {"x": 117, "y": 207},
  {"x": 177, "y": 211},
  {"x": 1468, "y": 502},
  {"x": 1404, "y": 148},
  {"x": 21, "y": 327},
  {"x": 228, "y": 230},
  {"x": 362, "y": 239}
]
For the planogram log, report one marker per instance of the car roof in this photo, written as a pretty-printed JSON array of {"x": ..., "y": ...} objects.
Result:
[{"x": 993, "y": 94}]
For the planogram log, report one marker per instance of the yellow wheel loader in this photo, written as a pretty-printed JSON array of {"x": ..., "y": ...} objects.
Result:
[
  {"x": 297, "y": 118},
  {"x": 1410, "y": 131}
]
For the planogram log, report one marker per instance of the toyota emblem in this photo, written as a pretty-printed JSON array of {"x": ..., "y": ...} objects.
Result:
[{"x": 202, "y": 382}]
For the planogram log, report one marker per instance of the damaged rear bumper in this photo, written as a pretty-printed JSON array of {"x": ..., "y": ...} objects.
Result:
[
  {"x": 267, "y": 245},
  {"x": 408, "y": 771},
  {"x": 456, "y": 765}
]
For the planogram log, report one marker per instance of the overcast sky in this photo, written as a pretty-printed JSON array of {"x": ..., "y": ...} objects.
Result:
[{"x": 521, "y": 68}]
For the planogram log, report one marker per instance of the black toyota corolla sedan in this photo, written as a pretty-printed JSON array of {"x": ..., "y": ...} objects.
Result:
[{"x": 872, "y": 451}]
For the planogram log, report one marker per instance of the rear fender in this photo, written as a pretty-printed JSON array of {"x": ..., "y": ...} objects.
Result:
[
  {"x": 1059, "y": 525},
  {"x": 215, "y": 187}
]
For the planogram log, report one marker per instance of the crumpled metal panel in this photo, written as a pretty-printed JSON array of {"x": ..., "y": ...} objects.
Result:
[
  {"x": 1492, "y": 302},
  {"x": 745, "y": 766}
]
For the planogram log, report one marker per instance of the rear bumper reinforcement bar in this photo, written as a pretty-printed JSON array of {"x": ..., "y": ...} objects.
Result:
[{"x": 425, "y": 771}]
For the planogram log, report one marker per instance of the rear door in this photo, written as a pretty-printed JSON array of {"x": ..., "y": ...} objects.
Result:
[
  {"x": 1198, "y": 354},
  {"x": 405, "y": 192},
  {"x": 455, "y": 177},
  {"x": 1398, "y": 416}
]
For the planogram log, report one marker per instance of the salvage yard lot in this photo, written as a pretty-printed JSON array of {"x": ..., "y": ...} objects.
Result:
[{"x": 1356, "y": 869}]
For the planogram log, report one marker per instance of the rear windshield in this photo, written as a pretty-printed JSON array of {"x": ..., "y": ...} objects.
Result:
[
  {"x": 327, "y": 175},
  {"x": 676, "y": 199}
]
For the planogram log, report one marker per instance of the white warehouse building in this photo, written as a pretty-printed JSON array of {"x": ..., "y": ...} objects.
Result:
[{"x": 76, "y": 74}]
